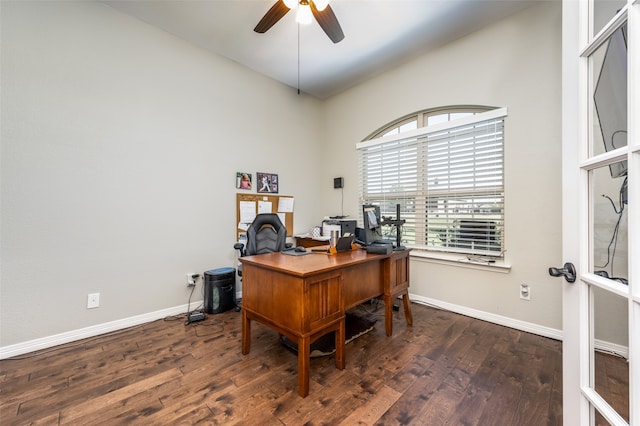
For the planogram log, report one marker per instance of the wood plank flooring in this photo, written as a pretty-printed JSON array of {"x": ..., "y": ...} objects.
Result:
[{"x": 446, "y": 369}]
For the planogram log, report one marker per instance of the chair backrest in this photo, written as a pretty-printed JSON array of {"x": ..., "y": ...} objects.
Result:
[{"x": 266, "y": 234}]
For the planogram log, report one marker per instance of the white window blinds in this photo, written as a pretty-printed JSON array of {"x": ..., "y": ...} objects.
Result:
[{"x": 447, "y": 178}]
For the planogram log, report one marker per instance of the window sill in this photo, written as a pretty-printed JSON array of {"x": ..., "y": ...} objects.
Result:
[{"x": 459, "y": 260}]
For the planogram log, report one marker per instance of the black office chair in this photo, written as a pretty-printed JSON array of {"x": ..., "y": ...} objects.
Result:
[{"x": 266, "y": 234}]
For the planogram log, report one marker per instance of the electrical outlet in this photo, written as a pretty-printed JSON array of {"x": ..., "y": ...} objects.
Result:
[
  {"x": 525, "y": 292},
  {"x": 93, "y": 300},
  {"x": 191, "y": 279}
]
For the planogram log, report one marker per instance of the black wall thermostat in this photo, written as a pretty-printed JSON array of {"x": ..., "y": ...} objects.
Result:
[{"x": 338, "y": 182}]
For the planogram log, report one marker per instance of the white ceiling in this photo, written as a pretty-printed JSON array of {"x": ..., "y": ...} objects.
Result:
[{"x": 379, "y": 34}]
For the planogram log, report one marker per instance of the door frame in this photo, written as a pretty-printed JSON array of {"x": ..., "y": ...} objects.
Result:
[
  {"x": 578, "y": 394},
  {"x": 575, "y": 406}
]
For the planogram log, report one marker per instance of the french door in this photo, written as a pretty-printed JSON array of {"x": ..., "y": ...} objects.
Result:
[{"x": 601, "y": 218}]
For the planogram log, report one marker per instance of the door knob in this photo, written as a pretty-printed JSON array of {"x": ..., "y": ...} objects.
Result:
[{"x": 569, "y": 272}]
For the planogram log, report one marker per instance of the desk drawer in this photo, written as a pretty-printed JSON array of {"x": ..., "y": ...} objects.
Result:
[
  {"x": 323, "y": 301},
  {"x": 363, "y": 282},
  {"x": 298, "y": 305}
]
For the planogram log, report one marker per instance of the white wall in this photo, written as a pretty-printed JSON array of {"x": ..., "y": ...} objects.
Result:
[
  {"x": 513, "y": 64},
  {"x": 120, "y": 145}
]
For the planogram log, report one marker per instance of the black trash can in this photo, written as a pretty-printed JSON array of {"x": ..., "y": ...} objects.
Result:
[{"x": 219, "y": 290}]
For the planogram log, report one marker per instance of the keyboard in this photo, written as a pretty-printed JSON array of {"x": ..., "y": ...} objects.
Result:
[{"x": 382, "y": 242}]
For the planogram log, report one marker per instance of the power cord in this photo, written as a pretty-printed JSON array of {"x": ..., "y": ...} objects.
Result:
[
  {"x": 195, "y": 315},
  {"x": 619, "y": 210}
]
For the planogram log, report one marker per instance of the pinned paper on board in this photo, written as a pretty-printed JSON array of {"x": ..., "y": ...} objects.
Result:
[
  {"x": 265, "y": 207},
  {"x": 247, "y": 212},
  {"x": 285, "y": 205},
  {"x": 248, "y": 206}
]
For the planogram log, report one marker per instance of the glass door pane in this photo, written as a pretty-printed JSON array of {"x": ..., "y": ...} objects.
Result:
[
  {"x": 608, "y": 66},
  {"x": 610, "y": 376},
  {"x": 609, "y": 252},
  {"x": 604, "y": 11}
]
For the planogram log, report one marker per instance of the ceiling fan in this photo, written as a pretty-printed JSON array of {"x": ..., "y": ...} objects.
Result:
[{"x": 320, "y": 9}]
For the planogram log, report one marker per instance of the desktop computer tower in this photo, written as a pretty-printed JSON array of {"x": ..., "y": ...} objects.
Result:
[{"x": 219, "y": 290}]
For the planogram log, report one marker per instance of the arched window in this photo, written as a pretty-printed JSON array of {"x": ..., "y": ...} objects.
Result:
[{"x": 444, "y": 167}]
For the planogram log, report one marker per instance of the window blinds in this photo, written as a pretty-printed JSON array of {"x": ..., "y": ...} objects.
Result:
[{"x": 447, "y": 178}]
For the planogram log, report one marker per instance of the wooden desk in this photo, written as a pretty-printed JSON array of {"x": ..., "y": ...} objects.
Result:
[{"x": 305, "y": 297}]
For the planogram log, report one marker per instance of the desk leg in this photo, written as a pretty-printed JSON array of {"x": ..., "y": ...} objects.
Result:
[
  {"x": 388, "y": 315},
  {"x": 246, "y": 333},
  {"x": 303, "y": 366},
  {"x": 340, "y": 338},
  {"x": 407, "y": 307},
  {"x": 388, "y": 312}
]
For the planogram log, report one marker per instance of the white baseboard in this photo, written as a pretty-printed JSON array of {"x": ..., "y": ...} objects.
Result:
[
  {"x": 71, "y": 336},
  {"x": 83, "y": 333},
  {"x": 552, "y": 333},
  {"x": 612, "y": 348},
  {"x": 489, "y": 317}
]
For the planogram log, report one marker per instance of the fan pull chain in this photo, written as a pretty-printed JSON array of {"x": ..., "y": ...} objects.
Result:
[{"x": 298, "y": 59}]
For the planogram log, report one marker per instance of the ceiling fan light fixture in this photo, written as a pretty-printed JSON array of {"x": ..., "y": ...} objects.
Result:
[
  {"x": 306, "y": 11},
  {"x": 321, "y": 4},
  {"x": 303, "y": 14},
  {"x": 291, "y": 4}
]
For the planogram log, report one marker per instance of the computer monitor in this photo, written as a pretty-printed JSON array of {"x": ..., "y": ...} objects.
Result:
[{"x": 372, "y": 222}]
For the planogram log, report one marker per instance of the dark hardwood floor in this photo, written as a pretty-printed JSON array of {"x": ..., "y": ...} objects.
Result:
[{"x": 446, "y": 369}]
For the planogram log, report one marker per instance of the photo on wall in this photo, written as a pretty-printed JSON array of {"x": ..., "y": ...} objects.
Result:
[
  {"x": 243, "y": 180},
  {"x": 267, "y": 183}
]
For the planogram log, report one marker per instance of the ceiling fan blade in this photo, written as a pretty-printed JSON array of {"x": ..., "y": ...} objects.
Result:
[
  {"x": 274, "y": 14},
  {"x": 328, "y": 22}
]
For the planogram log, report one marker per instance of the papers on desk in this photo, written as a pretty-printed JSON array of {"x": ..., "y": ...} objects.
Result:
[
  {"x": 308, "y": 235},
  {"x": 293, "y": 252}
]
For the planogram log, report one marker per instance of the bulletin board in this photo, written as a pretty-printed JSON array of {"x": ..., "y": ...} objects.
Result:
[{"x": 273, "y": 199}]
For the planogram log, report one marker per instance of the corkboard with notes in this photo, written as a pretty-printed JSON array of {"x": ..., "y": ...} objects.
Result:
[{"x": 248, "y": 205}]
